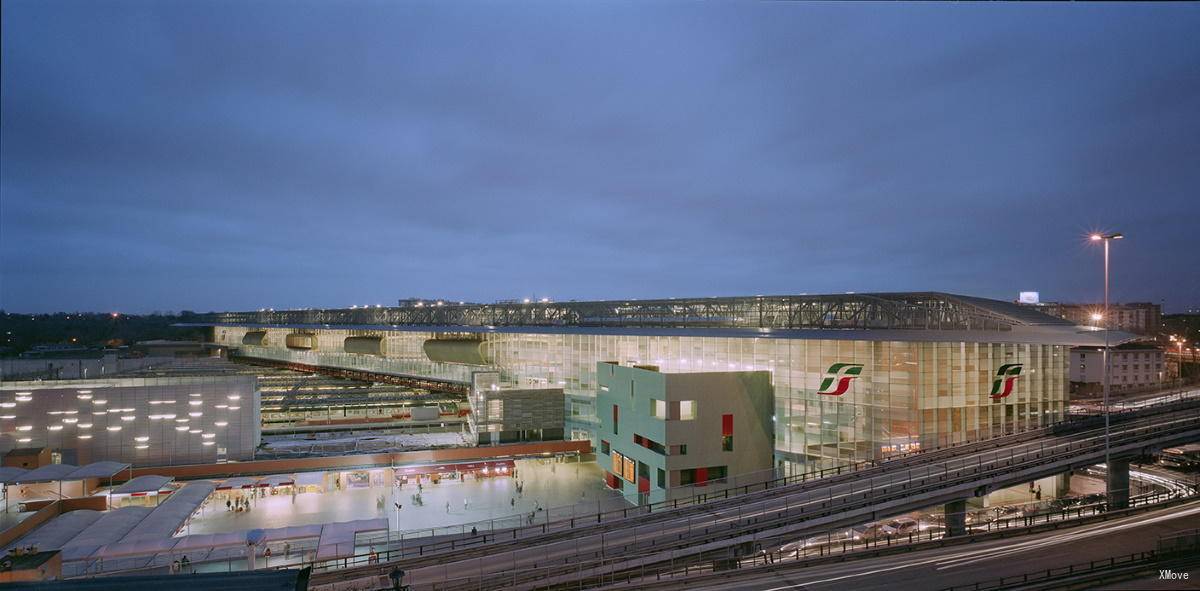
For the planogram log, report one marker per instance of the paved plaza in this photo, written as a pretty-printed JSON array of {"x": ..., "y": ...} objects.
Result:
[{"x": 566, "y": 488}]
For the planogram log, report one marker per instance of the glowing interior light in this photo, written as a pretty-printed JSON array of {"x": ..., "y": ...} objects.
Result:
[
  {"x": 7, "y": 404},
  {"x": 221, "y": 423},
  {"x": 195, "y": 402},
  {"x": 24, "y": 440},
  {"x": 71, "y": 420},
  {"x": 181, "y": 428},
  {"x": 85, "y": 436},
  {"x": 25, "y": 428},
  {"x": 194, "y": 431},
  {"x": 234, "y": 397},
  {"x": 195, "y": 414},
  {"x": 141, "y": 446},
  {"x": 128, "y": 418},
  {"x": 209, "y": 435},
  {"x": 54, "y": 427},
  {"x": 142, "y": 438},
  {"x": 115, "y": 428}
]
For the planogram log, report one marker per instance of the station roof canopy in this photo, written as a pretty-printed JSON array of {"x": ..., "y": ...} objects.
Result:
[
  {"x": 928, "y": 316},
  {"x": 143, "y": 484},
  {"x": 237, "y": 482},
  {"x": 11, "y": 475},
  {"x": 61, "y": 472},
  {"x": 48, "y": 473},
  {"x": 104, "y": 469}
]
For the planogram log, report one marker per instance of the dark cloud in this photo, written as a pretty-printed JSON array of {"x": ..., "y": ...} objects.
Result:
[{"x": 223, "y": 155}]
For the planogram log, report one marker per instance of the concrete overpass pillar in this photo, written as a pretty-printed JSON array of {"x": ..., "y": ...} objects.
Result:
[
  {"x": 1118, "y": 484},
  {"x": 956, "y": 518}
]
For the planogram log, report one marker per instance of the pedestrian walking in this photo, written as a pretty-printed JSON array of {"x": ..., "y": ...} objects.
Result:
[{"x": 447, "y": 506}]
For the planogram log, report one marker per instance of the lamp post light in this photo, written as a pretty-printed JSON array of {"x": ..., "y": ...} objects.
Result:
[{"x": 1106, "y": 238}]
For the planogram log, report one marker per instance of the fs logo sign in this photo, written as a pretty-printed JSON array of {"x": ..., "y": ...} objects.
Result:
[
  {"x": 1002, "y": 384},
  {"x": 837, "y": 379}
]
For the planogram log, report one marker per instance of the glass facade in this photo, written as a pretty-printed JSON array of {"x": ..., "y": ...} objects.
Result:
[{"x": 906, "y": 395}]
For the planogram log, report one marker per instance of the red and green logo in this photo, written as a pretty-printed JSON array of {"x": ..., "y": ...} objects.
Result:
[
  {"x": 1002, "y": 384},
  {"x": 837, "y": 379}
]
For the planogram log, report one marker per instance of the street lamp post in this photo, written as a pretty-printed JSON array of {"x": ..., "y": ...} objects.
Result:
[{"x": 1106, "y": 238}]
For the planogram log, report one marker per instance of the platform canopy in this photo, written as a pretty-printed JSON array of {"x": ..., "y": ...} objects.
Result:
[
  {"x": 98, "y": 470},
  {"x": 277, "y": 480},
  {"x": 143, "y": 484},
  {"x": 61, "y": 473},
  {"x": 48, "y": 473},
  {"x": 11, "y": 475},
  {"x": 238, "y": 482}
]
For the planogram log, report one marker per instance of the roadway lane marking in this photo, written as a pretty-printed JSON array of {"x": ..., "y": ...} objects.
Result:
[
  {"x": 969, "y": 554},
  {"x": 1080, "y": 534}
]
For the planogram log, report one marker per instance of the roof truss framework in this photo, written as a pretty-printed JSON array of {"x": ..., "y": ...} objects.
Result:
[{"x": 916, "y": 311}]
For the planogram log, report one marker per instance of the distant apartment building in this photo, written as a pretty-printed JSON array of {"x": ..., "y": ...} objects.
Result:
[
  {"x": 1133, "y": 367},
  {"x": 1142, "y": 318},
  {"x": 664, "y": 430}
]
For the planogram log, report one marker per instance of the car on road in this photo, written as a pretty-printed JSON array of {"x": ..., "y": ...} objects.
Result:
[
  {"x": 904, "y": 526},
  {"x": 832, "y": 539}
]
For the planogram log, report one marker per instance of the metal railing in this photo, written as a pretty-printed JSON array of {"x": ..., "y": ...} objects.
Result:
[{"x": 766, "y": 520}]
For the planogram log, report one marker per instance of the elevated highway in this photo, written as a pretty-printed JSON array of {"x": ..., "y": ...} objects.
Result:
[{"x": 720, "y": 531}]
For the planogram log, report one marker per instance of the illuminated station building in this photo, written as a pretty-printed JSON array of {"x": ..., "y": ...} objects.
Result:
[{"x": 849, "y": 377}]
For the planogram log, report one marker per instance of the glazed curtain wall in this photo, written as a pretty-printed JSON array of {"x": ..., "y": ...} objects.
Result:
[{"x": 907, "y": 395}]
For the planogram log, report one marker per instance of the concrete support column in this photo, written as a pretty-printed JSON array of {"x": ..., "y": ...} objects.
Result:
[
  {"x": 1063, "y": 485},
  {"x": 956, "y": 518},
  {"x": 1118, "y": 484}
]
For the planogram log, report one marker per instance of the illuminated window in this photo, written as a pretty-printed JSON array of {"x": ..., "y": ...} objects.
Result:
[
  {"x": 687, "y": 410},
  {"x": 659, "y": 408}
]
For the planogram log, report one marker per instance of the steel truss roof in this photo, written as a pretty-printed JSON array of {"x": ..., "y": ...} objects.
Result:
[{"x": 915, "y": 311}]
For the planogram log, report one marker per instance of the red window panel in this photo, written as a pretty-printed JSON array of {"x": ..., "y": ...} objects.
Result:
[
  {"x": 701, "y": 475},
  {"x": 726, "y": 425},
  {"x": 643, "y": 485}
]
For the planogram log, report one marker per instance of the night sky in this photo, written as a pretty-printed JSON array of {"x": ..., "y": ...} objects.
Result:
[{"x": 239, "y": 155}]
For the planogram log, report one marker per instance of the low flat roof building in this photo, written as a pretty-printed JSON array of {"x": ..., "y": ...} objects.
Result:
[
  {"x": 661, "y": 431},
  {"x": 144, "y": 421}
]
